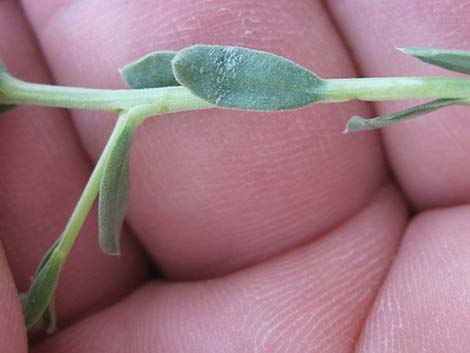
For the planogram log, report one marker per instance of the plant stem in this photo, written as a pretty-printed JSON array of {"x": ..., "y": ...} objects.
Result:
[
  {"x": 88, "y": 196},
  {"x": 393, "y": 88},
  {"x": 15, "y": 91},
  {"x": 134, "y": 116}
]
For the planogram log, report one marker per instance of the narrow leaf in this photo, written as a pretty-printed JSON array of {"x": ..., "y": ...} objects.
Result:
[
  {"x": 49, "y": 317},
  {"x": 357, "y": 123},
  {"x": 152, "y": 71},
  {"x": 241, "y": 78},
  {"x": 40, "y": 323},
  {"x": 454, "y": 60},
  {"x": 42, "y": 290},
  {"x": 47, "y": 256},
  {"x": 114, "y": 191}
]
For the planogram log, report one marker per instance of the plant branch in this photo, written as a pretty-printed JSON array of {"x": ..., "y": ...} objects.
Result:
[
  {"x": 393, "y": 88},
  {"x": 15, "y": 91}
]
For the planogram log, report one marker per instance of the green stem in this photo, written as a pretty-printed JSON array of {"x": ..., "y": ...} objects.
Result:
[
  {"x": 14, "y": 91},
  {"x": 88, "y": 196},
  {"x": 40, "y": 296},
  {"x": 164, "y": 104},
  {"x": 393, "y": 88}
]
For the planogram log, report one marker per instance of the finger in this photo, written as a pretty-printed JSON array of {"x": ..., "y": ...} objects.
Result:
[
  {"x": 218, "y": 190},
  {"x": 313, "y": 299},
  {"x": 424, "y": 303},
  {"x": 428, "y": 155},
  {"x": 12, "y": 331},
  {"x": 43, "y": 170}
]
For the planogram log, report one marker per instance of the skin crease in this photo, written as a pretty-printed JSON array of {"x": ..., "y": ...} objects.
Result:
[{"x": 303, "y": 235}]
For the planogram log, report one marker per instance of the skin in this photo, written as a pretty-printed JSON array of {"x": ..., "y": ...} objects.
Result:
[{"x": 273, "y": 232}]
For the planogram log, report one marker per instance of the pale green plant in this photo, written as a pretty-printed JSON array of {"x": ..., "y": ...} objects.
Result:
[{"x": 203, "y": 77}]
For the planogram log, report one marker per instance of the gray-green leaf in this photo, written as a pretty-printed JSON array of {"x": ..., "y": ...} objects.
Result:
[
  {"x": 48, "y": 318},
  {"x": 454, "y": 60},
  {"x": 41, "y": 293},
  {"x": 241, "y": 78},
  {"x": 114, "y": 191},
  {"x": 152, "y": 71},
  {"x": 357, "y": 123}
]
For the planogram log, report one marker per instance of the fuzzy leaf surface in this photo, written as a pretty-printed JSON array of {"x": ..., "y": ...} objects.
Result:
[
  {"x": 241, "y": 78},
  {"x": 357, "y": 123},
  {"x": 152, "y": 71},
  {"x": 114, "y": 191},
  {"x": 454, "y": 60},
  {"x": 41, "y": 293}
]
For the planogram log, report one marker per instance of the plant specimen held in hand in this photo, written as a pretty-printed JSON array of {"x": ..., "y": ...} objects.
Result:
[{"x": 203, "y": 77}]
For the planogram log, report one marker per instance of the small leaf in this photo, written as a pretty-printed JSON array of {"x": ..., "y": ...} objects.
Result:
[
  {"x": 241, "y": 78},
  {"x": 40, "y": 323},
  {"x": 357, "y": 123},
  {"x": 47, "y": 256},
  {"x": 41, "y": 293},
  {"x": 152, "y": 71},
  {"x": 49, "y": 317},
  {"x": 114, "y": 191},
  {"x": 454, "y": 60}
]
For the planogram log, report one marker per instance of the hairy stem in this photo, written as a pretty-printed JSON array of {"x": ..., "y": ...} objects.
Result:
[
  {"x": 393, "y": 88},
  {"x": 14, "y": 91}
]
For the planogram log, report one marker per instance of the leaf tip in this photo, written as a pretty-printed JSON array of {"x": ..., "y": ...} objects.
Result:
[
  {"x": 454, "y": 60},
  {"x": 151, "y": 71},
  {"x": 112, "y": 249},
  {"x": 356, "y": 123},
  {"x": 418, "y": 53},
  {"x": 108, "y": 237},
  {"x": 402, "y": 50}
]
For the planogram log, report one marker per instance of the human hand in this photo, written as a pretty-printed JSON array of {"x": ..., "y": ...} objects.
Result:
[{"x": 302, "y": 231}]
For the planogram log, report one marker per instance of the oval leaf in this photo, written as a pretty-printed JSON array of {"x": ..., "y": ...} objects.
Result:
[
  {"x": 152, "y": 71},
  {"x": 454, "y": 60},
  {"x": 241, "y": 78},
  {"x": 357, "y": 123},
  {"x": 114, "y": 191}
]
